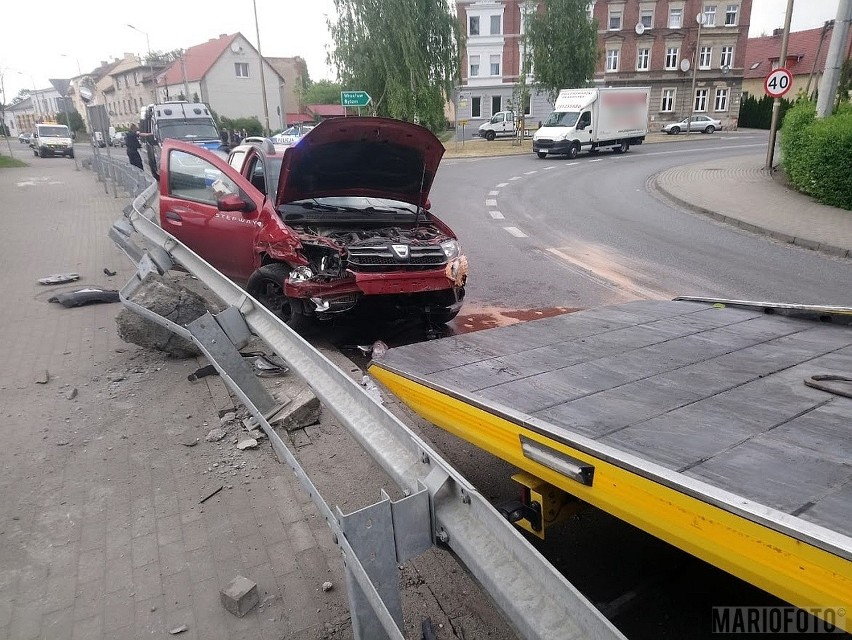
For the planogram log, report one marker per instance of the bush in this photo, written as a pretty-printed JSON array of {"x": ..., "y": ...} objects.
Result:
[{"x": 816, "y": 153}]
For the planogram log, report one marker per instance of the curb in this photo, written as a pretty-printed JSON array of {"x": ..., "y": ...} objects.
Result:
[{"x": 805, "y": 243}]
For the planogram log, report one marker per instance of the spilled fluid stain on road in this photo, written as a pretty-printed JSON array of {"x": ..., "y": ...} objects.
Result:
[{"x": 480, "y": 318}]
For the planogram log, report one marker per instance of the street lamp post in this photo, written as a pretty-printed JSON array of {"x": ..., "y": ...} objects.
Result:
[
  {"x": 262, "y": 80},
  {"x": 150, "y": 67}
]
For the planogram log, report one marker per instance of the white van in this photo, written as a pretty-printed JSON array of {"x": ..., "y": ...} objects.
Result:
[{"x": 594, "y": 118}]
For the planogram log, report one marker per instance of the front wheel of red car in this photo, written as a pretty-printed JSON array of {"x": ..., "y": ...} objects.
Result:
[{"x": 266, "y": 286}]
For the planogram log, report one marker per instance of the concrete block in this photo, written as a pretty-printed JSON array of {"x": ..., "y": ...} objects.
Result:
[
  {"x": 302, "y": 410},
  {"x": 240, "y": 596}
]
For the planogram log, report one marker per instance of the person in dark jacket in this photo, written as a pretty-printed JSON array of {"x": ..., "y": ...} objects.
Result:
[{"x": 133, "y": 146}]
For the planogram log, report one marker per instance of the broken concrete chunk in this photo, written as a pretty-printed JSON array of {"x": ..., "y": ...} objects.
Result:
[
  {"x": 230, "y": 416},
  {"x": 71, "y": 394},
  {"x": 43, "y": 377},
  {"x": 327, "y": 586},
  {"x": 216, "y": 434},
  {"x": 248, "y": 443},
  {"x": 240, "y": 596},
  {"x": 301, "y": 411}
]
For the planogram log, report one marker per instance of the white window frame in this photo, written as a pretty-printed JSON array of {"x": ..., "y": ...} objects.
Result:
[
  {"x": 491, "y": 64},
  {"x": 643, "y": 55},
  {"x": 700, "y": 103},
  {"x": 614, "y": 14},
  {"x": 473, "y": 66},
  {"x": 705, "y": 57},
  {"x": 672, "y": 52},
  {"x": 727, "y": 56},
  {"x": 239, "y": 68},
  {"x": 709, "y": 15},
  {"x": 675, "y": 18},
  {"x": 499, "y": 19},
  {"x": 667, "y": 96},
  {"x": 471, "y": 20},
  {"x": 732, "y": 10},
  {"x": 649, "y": 14},
  {"x": 612, "y": 56},
  {"x": 720, "y": 101}
]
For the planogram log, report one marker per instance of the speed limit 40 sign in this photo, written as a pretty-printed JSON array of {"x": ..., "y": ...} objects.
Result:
[{"x": 778, "y": 82}]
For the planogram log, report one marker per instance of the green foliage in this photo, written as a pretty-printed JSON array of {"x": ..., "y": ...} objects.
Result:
[
  {"x": 76, "y": 121},
  {"x": 404, "y": 53},
  {"x": 563, "y": 42},
  {"x": 322, "y": 92},
  {"x": 251, "y": 125},
  {"x": 816, "y": 153},
  {"x": 757, "y": 114}
]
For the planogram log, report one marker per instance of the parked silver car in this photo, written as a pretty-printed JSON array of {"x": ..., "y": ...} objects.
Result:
[{"x": 704, "y": 124}]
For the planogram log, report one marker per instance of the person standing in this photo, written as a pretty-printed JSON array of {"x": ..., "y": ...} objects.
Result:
[{"x": 133, "y": 146}]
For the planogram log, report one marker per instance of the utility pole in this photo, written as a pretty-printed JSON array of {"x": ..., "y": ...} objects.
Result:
[
  {"x": 776, "y": 104},
  {"x": 3, "y": 115},
  {"x": 150, "y": 66},
  {"x": 262, "y": 80},
  {"x": 834, "y": 60},
  {"x": 701, "y": 18}
]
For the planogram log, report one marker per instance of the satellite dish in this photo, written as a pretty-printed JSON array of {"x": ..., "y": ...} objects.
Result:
[
  {"x": 639, "y": 28},
  {"x": 236, "y": 47},
  {"x": 701, "y": 18},
  {"x": 684, "y": 65},
  {"x": 726, "y": 69}
]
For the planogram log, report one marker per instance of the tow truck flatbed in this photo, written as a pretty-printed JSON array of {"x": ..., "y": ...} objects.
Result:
[{"x": 690, "y": 420}]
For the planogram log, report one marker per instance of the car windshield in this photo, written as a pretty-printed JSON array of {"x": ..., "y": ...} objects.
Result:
[
  {"x": 188, "y": 130},
  {"x": 59, "y": 131},
  {"x": 562, "y": 119}
]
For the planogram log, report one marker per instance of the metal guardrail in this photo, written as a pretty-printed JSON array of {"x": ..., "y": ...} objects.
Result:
[{"x": 439, "y": 505}]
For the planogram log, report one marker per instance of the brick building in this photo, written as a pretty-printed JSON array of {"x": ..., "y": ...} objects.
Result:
[{"x": 654, "y": 43}]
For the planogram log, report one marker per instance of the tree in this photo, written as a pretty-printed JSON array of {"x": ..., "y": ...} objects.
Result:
[
  {"x": 322, "y": 92},
  {"x": 404, "y": 53},
  {"x": 562, "y": 42},
  {"x": 75, "y": 120}
]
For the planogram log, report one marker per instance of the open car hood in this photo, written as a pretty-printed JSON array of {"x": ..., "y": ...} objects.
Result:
[{"x": 371, "y": 157}]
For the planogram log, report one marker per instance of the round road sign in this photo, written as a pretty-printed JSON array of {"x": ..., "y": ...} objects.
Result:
[{"x": 778, "y": 82}]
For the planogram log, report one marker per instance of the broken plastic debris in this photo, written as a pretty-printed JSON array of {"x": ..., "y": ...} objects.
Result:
[
  {"x": 178, "y": 630},
  {"x": 59, "y": 278},
  {"x": 81, "y": 297}
]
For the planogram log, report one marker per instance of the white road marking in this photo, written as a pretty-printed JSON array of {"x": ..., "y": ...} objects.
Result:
[
  {"x": 516, "y": 178},
  {"x": 502, "y": 184},
  {"x": 493, "y": 193},
  {"x": 497, "y": 215},
  {"x": 549, "y": 168},
  {"x": 516, "y": 232},
  {"x": 571, "y": 164},
  {"x": 597, "y": 160},
  {"x": 490, "y": 203},
  {"x": 529, "y": 173}
]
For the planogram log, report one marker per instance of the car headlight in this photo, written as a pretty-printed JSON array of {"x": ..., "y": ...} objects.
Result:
[
  {"x": 301, "y": 273},
  {"x": 451, "y": 249}
]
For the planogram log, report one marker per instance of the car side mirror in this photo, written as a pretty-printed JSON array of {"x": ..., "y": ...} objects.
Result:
[{"x": 233, "y": 202}]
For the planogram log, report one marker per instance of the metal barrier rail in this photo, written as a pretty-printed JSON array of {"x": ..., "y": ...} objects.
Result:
[{"x": 439, "y": 505}]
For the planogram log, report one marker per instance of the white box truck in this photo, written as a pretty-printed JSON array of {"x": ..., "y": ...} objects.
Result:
[{"x": 594, "y": 118}]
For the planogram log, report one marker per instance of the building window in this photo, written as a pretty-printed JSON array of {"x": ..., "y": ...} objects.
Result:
[
  {"x": 612, "y": 59},
  {"x": 643, "y": 59},
  {"x": 721, "y": 102},
  {"x": 496, "y": 104},
  {"x": 646, "y": 18},
  {"x": 675, "y": 18},
  {"x": 474, "y": 66},
  {"x": 473, "y": 26},
  {"x": 727, "y": 58},
  {"x": 496, "y": 29},
  {"x": 701, "y": 100},
  {"x": 614, "y": 19},
  {"x": 710, "y": 15},
  {"x": 671, "y": 58},
  {"x": 731, "y": 15},
  {"x": 495, "y": 65},
  {"x": 241, "y": 69},
  {"x": 476, "y": 107},
  {"x": 704, "y": 57},
  {"x": 667, "y": 101},
  {"x": 136, "y": 77},
  {"x": 528, "y": 105}
]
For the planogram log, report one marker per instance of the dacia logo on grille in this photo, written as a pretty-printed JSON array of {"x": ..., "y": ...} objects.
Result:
[{"x": 401, "y": 250}]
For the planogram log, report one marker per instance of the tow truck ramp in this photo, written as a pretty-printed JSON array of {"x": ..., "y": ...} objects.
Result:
[{"x": 723, "y": 428}]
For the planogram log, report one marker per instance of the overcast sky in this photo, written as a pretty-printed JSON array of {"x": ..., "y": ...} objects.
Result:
[{"x": 36, "y": 36}]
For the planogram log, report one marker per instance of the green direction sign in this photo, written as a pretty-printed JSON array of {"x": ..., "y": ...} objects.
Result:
[{"x": 355, "y": 98}]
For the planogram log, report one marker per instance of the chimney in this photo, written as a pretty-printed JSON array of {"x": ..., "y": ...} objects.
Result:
[
  {"x": 223, "y": 35},
  {"x": 777, "y": 32}
]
